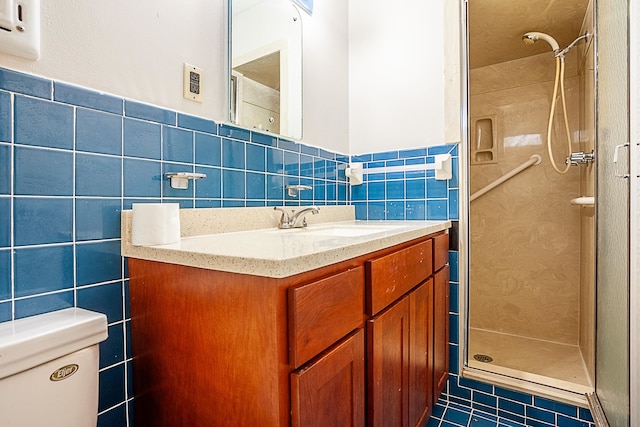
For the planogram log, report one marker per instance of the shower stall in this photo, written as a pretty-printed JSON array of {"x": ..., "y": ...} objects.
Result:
[{"x": 530, "y": 298}]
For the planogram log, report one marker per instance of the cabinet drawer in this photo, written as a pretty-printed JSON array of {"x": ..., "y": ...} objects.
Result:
[
  {"x": 440, "y": 251},
  {"x": 391, "y": 276},
  {"x": 322, "y": 312}
]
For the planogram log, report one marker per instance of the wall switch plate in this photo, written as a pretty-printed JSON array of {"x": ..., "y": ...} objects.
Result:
[
  {"x": 192, "y": 81},
  {"x": 20, "y": 28}
]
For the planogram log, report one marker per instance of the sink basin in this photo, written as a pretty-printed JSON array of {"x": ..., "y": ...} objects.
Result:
[
  {"x": 337, "y": 230},
  {"x": 353, "y": 231}
]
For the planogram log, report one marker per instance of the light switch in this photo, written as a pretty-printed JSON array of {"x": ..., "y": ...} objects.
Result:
[
  {"x": 20, "y": 28},
  {"x": 192, "y": 81}
]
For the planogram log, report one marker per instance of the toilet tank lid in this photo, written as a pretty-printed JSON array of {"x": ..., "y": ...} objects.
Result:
[{"x": 31, "y": 341}]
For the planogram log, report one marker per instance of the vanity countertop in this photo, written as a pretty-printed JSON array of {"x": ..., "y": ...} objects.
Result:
[{"x": 272, "y": 252}]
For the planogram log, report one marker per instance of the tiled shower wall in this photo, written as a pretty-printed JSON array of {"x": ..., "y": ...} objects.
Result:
[
  {"x": 71, "y": 159},
  {"x": 502, "y": 298}
]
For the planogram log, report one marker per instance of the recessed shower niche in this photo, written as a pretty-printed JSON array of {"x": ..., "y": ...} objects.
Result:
[{"x": 484, "y": 136}]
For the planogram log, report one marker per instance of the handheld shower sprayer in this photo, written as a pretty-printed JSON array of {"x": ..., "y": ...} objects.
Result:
[
  {"x": 534, "y": 36},
  {"x": 529, "y": 39}
]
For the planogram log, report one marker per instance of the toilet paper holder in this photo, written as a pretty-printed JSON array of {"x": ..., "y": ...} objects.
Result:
[{"x": 180, "y": 180}]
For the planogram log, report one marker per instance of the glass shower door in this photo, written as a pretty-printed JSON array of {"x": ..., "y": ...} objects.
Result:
[
  {"x": 612, "y": 209},
  {"x": 634, "y": 105}
]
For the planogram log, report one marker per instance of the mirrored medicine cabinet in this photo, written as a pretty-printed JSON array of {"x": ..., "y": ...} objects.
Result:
[{"x": 266, "y": 66}]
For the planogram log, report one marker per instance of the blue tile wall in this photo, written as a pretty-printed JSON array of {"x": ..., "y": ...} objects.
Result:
[
  {"x": 98, "y": 132},
  {"x": 12, "y": 81},
  {"x": 42, "y": 172},
  {"x": 80, "y": 97},
  {"x": 411, "y": 195},
  {"x": 71, "y": 159},
  {"x": 42, "y": 220},
  {"x": 149, "y": 112},
  {"x": 55, "y": 123}
]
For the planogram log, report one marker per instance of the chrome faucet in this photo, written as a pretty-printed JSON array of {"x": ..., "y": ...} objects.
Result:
[
  {"x": 580, "y": 158},
  {"x": 291, "y": 221}
]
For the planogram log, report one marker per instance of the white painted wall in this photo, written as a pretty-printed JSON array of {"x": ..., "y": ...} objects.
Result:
[
  {"x": 325, "y": 103},
  {"x": 396, "y": 75},
  {"x": 134, "y": 49},
  {"x": 452, "y": 73}
]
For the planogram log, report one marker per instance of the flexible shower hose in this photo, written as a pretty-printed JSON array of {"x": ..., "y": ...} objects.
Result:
[{"x": 560, "y": 79}]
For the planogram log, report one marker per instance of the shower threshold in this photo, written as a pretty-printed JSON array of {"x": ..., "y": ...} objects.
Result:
[{"x": 540, "y": 367}]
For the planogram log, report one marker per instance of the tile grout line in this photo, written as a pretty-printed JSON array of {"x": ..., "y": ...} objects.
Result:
[{"x": 12, "y": 278}]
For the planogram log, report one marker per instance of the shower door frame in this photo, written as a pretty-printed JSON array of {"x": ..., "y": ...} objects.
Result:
[
  {"x": 464, "y": 249},
  {"x": 463, "y": 367},
  {"x": 634, "y": 254}
]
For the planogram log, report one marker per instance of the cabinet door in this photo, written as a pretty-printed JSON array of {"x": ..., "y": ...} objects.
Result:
[
  {"x": 441, "y": 331},
  {"x": 330, "y": 392},
  {"x": 420, "y": 358},
  {"x": 388, "y": 363}
]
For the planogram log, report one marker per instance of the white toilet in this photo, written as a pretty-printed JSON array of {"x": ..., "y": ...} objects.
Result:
[{"x": 49, "y": 369}]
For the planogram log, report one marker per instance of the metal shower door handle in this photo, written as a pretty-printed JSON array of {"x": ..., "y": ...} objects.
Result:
[{"x": 615, "y": 161}]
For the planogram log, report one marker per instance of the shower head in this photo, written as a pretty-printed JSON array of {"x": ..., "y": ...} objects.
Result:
[{"x": 533, "y": 36}]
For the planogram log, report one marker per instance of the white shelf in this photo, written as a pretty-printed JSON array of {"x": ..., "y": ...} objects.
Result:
[{"x": 584, "y": 201}]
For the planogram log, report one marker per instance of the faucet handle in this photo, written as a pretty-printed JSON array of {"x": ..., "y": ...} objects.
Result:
[{"x": 284, "y": 218}]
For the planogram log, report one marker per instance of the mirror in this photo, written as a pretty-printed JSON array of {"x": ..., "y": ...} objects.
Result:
[{"x": 266, "y": 66}]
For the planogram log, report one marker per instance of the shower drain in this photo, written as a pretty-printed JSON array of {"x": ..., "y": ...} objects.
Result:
[{"x": 483, "y": 358}]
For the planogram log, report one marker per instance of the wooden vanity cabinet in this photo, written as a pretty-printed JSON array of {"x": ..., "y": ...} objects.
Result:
[
  {"x": 441, "y": 330},
  {"x": 408, "y": 333},
  {"x": 441, "y": 313},
  {"x": 220, "y": 349},
  {"x": 328, "y": 347},
  {"x": 399, "y": 345}
]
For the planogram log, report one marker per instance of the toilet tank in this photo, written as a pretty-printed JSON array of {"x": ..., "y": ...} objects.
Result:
[{"x": 49, "y": 369}]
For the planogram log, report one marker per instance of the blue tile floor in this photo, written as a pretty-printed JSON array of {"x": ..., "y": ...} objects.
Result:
[{"x": 449, "y": 414}]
